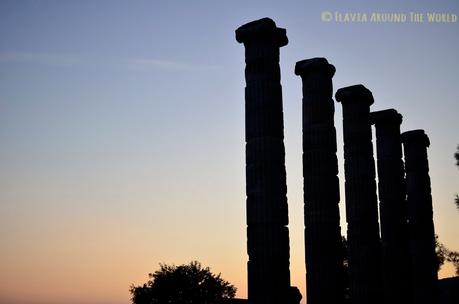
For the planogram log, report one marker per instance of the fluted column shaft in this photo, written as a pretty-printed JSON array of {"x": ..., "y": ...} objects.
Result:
[
  {"x": 361, "y": 200},
  {"x": 392, "y": 207},
  {"x": 323, "y": 245},
  {"x": 267, "y": 212},
  {"x": 420, "y": 217}
]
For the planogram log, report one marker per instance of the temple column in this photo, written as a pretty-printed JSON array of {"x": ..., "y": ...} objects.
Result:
[
  {"x": 323, "y": 245},
  {"x": 267, "y": 212},
  {"x": 420, "y": 217},
  {"x": 361, "y": 201},
  {"x": 392, "y": 206}
]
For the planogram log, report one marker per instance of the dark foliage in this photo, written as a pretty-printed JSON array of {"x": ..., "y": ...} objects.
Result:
[
  {"x": 456, "y": 156},
  {"x": 446, "y": 255},
  {"x": 184, "y": 284},
  {"x": 346, "y": 280},
  {"x": 443, "y": 255}
]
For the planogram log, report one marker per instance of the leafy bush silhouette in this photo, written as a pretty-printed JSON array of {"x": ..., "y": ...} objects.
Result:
[{"x": 184, "y": 284}]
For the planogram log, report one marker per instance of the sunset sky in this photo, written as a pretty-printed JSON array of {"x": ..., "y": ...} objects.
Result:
[{"x": 122, "y": 132}]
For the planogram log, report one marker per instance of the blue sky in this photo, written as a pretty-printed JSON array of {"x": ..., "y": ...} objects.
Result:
[{"x": 122, "y": 131}]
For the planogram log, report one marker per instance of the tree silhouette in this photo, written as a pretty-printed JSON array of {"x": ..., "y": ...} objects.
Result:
[
  {"x": 184, "y": 284},
  {"x": 346, "y": 280},
  {"x": 456, "y": 156},
  {"x": 444, "y": 254}
]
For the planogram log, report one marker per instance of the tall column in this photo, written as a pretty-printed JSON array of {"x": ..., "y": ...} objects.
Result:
[
  {"x": 361, "y": 200},
  {"x": 392, "y": 206},
  {"x": 323, "y": 245},
  {"x": 420, "y": 217},
  {"x": 267, "y": 214}
]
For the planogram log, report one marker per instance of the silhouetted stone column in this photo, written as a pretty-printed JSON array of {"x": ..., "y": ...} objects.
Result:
[
  {"x": 361, "y": 200},
  {"x": 267, "y": 212},
  {"x": 324, "y": 255},
  {"x": 420, "y": 217},
  {"x": 392, "y": 207}
]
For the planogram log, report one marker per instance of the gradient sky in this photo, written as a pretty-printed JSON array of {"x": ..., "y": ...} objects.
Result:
[{"x": 122, "y": 132}]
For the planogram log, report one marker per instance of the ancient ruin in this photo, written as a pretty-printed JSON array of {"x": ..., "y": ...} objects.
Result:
[
  {"x": 267, "y": 211},
  {"x": 361, "y": 201},
  {"x": 392, "y": 206},
  {"x": 324, "y": 254},
  {"x": 377, "y": 264},
  {"x": 420, "y": 217}
]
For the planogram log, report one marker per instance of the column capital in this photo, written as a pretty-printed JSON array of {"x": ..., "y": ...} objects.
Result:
[
  {"x": 356, "y": 93},
  {"x": 389, "y": 116},
  {"x": 318, "y": 64},
  {"x": 418, "y": 136},
  {"x": 262, "y": 30}
]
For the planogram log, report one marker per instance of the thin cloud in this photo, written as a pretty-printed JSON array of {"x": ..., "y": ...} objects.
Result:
[
  {"x": 63, "y": 60},
  {"x": 169, "y": 65},
  {"x": 67, "y": 60}
]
